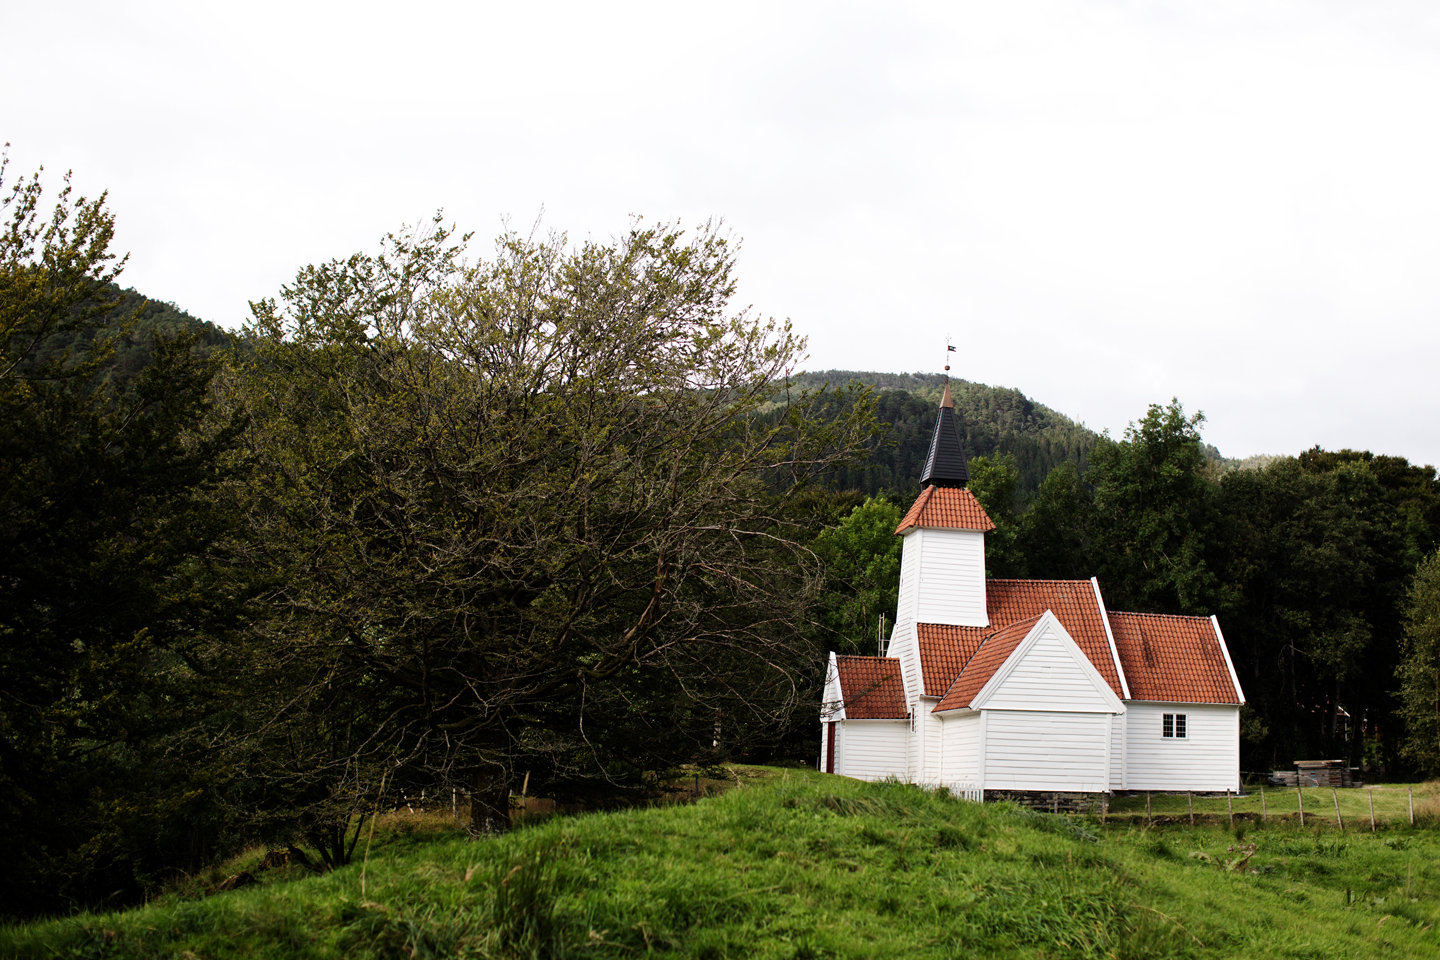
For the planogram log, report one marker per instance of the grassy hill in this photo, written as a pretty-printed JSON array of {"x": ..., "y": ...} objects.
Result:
[{"x": 795, "y": 864}]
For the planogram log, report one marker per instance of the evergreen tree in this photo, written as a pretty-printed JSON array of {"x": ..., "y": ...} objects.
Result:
[{"x": 109, "y": 611}]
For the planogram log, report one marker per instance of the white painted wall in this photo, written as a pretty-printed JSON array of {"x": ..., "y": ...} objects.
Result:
[
  {"x": 905, "y": 647},
  {"x": 931, "y": 743},
  {"x": 1043, "y": 750},
  {"x": 872, "y": 749},
  {"x": 951, "y": 572},
  {"x": 903, "y": 643},
  {"x": 1051, "y": 674},
  {"x": 832, "y": 701},
  {"x": 1208, "y": 758},
  {"x": 960, "y": 734},
  {"x": 910, "y": 550},
  {"x": 1117, "y": 750}
]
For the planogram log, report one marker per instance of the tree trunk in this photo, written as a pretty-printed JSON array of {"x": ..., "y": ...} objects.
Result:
[{"x": 490, "y": 800}]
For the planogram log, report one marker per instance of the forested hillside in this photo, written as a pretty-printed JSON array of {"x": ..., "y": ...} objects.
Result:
[
  {"x": 134, "y": 350},
  {"x": 996, "y": 422}
]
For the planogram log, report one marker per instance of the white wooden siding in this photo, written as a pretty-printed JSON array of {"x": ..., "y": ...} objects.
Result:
[
  {"x": 951, "y": 576},
  {"x": 932, "y": 748},
  {"x": 1037, "y": 750},
  {"x": 905, "y": 648},
  {"x": 872, "y": 749},
  {"x": 1048, "y": 676},
  {"x": 1206, "y": 758},
  {"x": 902, "y": 637},
  {"x": 910, "y": 549},
  {"x": 960, "y": 734},
  {"x": 832, "y": 701},
  {"x": 1117, "y": 751}
]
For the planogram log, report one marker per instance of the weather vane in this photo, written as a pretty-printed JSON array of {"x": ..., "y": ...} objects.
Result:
[{"x": 948, "y": 350}]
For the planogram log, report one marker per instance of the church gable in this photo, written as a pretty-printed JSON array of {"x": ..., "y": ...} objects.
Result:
[
  {"x": 1075, "y": 603},
  {"x": 989, "y": 659},
  {"x": 1031, "y": 665}
]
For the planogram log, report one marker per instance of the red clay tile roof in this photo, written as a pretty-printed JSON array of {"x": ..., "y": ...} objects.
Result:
[
  {"x": 871, "y": 688},
  {"x": 944, "y": 651},
  {"x": 1073, "y": 601},
  {"x": 992, "y": 653},
  {"x": 952, "y": 507},
  {"x": 1172, "y": 658}
]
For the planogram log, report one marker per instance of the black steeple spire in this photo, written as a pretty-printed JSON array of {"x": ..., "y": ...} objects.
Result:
[{"x": 945, "y": 467}]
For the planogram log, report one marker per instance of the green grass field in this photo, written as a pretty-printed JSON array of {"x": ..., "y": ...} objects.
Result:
[
  {"x": 1391, "y": 805},
  {"x": 800, "y": 865}
]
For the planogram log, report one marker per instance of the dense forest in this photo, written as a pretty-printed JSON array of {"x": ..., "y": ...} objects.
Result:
[
  {"x": 432, "y": 523},
  {"x": 995, "y": 422}
]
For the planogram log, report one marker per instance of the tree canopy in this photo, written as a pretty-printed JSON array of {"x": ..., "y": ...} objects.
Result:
[{"x": 528, "y": 504}]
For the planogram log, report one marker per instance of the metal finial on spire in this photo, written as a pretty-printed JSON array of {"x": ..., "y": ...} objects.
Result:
[{"x": 948, "y": 350}]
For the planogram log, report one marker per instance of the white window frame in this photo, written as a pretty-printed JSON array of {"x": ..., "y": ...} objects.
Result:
[{"x": 1173, "y": 726}]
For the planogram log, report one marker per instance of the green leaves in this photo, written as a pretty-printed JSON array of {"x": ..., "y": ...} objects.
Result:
[
  {"x": 540, "y": 482},
  {"x": 1419, "y": 669},
  {"x": 1154, "y": 515},
  {"x": 862, "y": 562}
]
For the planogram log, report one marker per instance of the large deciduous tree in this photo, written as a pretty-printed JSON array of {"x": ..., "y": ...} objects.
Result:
[{"x": 526, "y": 510}]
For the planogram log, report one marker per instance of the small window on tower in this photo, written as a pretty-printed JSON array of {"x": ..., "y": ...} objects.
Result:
[{"x": 1169, "y": 729}]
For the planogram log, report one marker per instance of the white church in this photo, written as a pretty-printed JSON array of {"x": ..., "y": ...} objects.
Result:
[{"x": 1025, "y": 685}]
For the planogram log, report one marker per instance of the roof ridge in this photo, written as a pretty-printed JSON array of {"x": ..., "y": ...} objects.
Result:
[
  {"x": 1033, "y": 580},
  {"x": 1170, "y": 616}
]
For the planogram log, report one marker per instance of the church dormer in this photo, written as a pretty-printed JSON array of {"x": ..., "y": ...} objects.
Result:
[{"x": 942, "y": 566}]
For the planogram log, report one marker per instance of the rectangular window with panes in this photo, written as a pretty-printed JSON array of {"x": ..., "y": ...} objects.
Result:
[{"x": 1174, "y": 726}]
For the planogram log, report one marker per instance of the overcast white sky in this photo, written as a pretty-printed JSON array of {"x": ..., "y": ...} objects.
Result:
[{"x": 1105, "y": 204}]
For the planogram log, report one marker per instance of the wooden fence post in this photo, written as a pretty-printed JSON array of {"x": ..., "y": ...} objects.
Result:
[
  {"x": 1148, "y": 819},
  {"x": 1370, "y": 794},
  {"x": 1264, "y": 814},
  {"x": 1229, "y": 808},
  {"x": 1300, "y": 795},
  {"x": 1411, "y": 792},
  {"x": 1335, "y": 795},
  {"x": 1190, "y": 801}
]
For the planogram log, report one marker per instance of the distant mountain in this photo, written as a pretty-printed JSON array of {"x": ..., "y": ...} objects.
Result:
[{"x": 994, "y": 421}]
